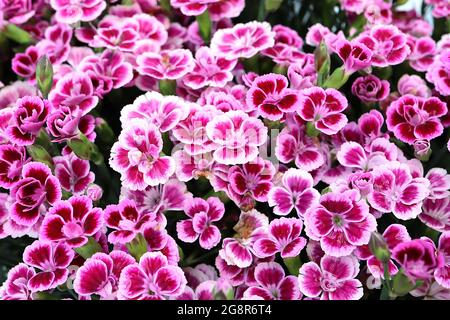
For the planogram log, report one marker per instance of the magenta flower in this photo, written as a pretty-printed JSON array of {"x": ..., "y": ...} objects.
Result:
[
  {"x": 125, "y": 220},
  {"x": 334, "y": 279},
  {"x": 242, "y": 40},
  {"x": 413, "y": 84},
  {"x": 52, "y": 260},
  {"x": 115, "y": 37},
  {"x": 423, "y": 51},
  {"x": 100, "y": 274},
  {"x": 442, "y": 273},
  {"x": 412, "y": 118},
  {"x": 16, "y": 285},
  {"x": 283, "y": 237},
  {"x": 417, "y": 258},
  {"x": 439, "y": 73},
  {"x": 323, "y": 108},
  {"x": 273, "y": 284},
  {"x": 17, "y": 11},
  {"x": 355, "y": 55},
  {"x": 436, "y": 214},
  {"x": 56, "y": 43},
  {"x": 202, "y": 213},
  {"x": 269, "y": 94},
  {"x": 72, "y": 221},
  {"x": 136, "y": 156},
  {"x": 218, "y": 9},
  {"x": 370, "y": 89},
  {"x": 152, "y": 279},
  {"x": 253, "y": 179},
  {"x": 165, "y": 112},
  {"x": 393, "y": 235},
  {"x": 24, "y": 64},
  {"x": 64, "y": 124},
  {"x": 29, "y": 117},
  {"x": 302, "y": 74},
  {"x": 209, "y": 70},
  {"x": 237, "y": 136},
  {"x": 73, "y": 173},
  {"x": 387, "y": 43},
  {"x": 238, "y": 251},
  {"x": 70, "y": 12},
  {"x": 167, "y": 64},
  {"x": 341, "y": 222},
  {"x": 12, "y": 160},
  {"x": 439, "y": 183},
  {"x": 74, "y": 90},
  {"x": 107, "y": 71},
  {"x": 294, "y": 145},
  {"x": 396, "y": 191},
  {"x": 38, "y": 186},
  {"x": 296, "y": 192}
]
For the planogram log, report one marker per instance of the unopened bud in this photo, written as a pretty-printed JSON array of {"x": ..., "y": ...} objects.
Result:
[
  {"x": 379, "y": 248},
  {"x": 422, "y": 150}
]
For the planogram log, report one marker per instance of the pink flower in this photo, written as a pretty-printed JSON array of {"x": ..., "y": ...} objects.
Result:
[
  {"x": 243, "y": 40},
  {"x": 136, "y": 156},
  {"x": 100, "y": 274},
  {"x": 74, "y": 90},
  {"x": 56, "y": 44},
  {"x": 115, "y": 37},
  {"x": 73, "y": 173},
  {"x": 237, "y": 136},
  {"x": 283, "y": 237},
  {"x": 341, "y": 222},
  {"x": 64, "y": 123},
  {"x": 107, "y": 71},
  {"x": 396, "y": 191},
  {"x": 295, "y": 145},
  {"x": 423, "y": 51},
  {"x": 52, "y": 260},
  {"x": 12, "y": 160},
  {"x": 417, "y": 258},
  {"x": 209, "y": 70},
  {"x": 438, "y": 73},
  {"x": 217, "y": 9},
  {"x": 270, "y": 95},
  {"x": 72, "y": 221},
  {"x": 439, "y": 183},
  {"x": 17, "y": 11},
  {"x": 334, "y": 279},
  {"x": 253, "y": 179},
  {"x": 170, "y": 196},
  {"x": 37, "y": 186},
  {"x": 125, "y": 220},
  {"x": 238, "y": 251},
  {"x": 302, "y": 74},
  {"x": 296, "y": 192},
  {"x": 24, "y": 64},
  {"x": 167, "y": 64},
  {"x": 412, "y": 118},
  {"x": 442, "y": 272},
  {"x": 441, "y": 8},
  {"x": 370, "y": 89},
  {"x": 355, "y": 55},
  {"x": 387, "y": 43},
  {"x": 70, "y": 12},
  {"x": 323, "y": 108},
  {"x": 202, "y": 213},
  {"x": 436, "y": 213},
  {"x": 272, "y": 284},
  {"x": 165, "y": 112},
  {"x": 152, "y": 279},
  {"x": 413, "y": 84},
  {"x": 393, "y": 235},
  {"x": 29, "y": 117},
  {"x": 16, "y": 285}
]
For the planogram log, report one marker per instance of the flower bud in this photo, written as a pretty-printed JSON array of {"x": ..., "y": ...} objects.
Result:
[
  {"x": 379, "y": 248},
  {"x": 223, "y": 290},
  {"x": 95, "y": 192},
  {"x": 422, "y": 150}
]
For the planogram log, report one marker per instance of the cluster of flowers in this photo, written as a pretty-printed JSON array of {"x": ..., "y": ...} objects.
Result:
[{"x": 309, "y": 178}]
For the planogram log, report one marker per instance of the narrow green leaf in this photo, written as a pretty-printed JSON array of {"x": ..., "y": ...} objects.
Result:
[
  {"x": 17, "y": 34},
  {"x": 204, "y": 26},
  {"x": 137, "y": 247},
  {"x": 293, "y": 264}
]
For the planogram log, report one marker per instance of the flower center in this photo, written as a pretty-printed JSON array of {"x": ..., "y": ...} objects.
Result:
[{"x": 72, "y": 230}]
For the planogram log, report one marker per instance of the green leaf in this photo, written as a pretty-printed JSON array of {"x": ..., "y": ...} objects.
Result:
[
  {"x": 401, "y": 284},
  {"x": 272, "y": 5},
  {"x": 17, "y": 34},
  {"x": 311, "y": 129},
  {"x": 204, "y": 26},
  {"x": 85, "y": 149},
  {"x": 337, "y": 79},
  {"x": 137, "y": 247},
  {"x": 40, "y": 154},
  {"x": 293, "y": 264},
  {"x": 167, "y": 87},
  {"x": 89, "y": 249},
  {"x": 44, "y": 76}
]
